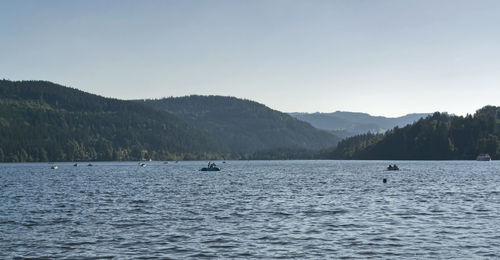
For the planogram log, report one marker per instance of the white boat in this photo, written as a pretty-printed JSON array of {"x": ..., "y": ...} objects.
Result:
[
  {"x": 483, "y": 157},
  {"x": 53, "y": 167}
]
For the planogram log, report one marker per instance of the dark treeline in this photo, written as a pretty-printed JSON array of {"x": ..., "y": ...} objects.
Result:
[
  {"x": 42, "y": 121},
  {"x": 285, "y": 154},
  {"x": 437, "y": 137}
]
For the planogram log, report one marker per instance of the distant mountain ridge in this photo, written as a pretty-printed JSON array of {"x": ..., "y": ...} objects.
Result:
[
  {"x": 346, "y": 124},
  {"x": 244, "y": 125}
]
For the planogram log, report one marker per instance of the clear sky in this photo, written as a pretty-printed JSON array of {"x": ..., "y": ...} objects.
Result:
[{"x": 380, "y": 57}]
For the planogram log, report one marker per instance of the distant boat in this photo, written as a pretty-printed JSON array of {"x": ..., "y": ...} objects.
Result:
[
  {"x": 53, "y": 167},
  {"x": 76, "y": 164},
  {"x": 142, "y": 164},
  {"x": 89, "y": 164},
  {"x": 483, "y": 157},
  {"x": 211, "y": 168},
  {"x": 393, "y": 168}
]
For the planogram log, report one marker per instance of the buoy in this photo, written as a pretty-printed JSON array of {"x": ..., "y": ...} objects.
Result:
[{"x": 384, "y": 180}]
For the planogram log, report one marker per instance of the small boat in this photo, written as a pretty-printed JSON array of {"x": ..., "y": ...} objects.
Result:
[
  {"x": 76, "y": 164},
  {"x": 483, "y": 157},
  {"x": 89, "y": 164},
  {"x": 393, "y": 168},
  {"x": 53, "y": 167},
  {"x": 211, "y": 168},
  {"x": 142, "y": 164}
]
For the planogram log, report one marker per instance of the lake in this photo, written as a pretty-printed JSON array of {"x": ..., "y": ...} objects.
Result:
[{"x": 251, "y": 209}]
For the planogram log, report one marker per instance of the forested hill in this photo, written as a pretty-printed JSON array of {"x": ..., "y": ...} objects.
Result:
[
  {"x": 245, "y": 126},
  {"x": 437, "y": 137},
  {"x": 43, "y": 121}
]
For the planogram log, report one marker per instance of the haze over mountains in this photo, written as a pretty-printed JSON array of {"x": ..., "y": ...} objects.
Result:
[{"x": 346, "y": 124}]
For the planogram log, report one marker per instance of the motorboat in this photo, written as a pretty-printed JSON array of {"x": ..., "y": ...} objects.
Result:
[{"x": 483, "y": 157}]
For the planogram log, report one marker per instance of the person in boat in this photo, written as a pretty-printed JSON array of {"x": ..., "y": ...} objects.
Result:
[
  {"x": 393, "y": 167},
  {"x": 211, "y": 165}
]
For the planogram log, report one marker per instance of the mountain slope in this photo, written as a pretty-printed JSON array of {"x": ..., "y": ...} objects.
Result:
[
  {"x": 347, "y": 124},
  {"x": 245, "y": 126},
  {"x": 43, "y": 121},
  {"x": 437, "y": 137}
]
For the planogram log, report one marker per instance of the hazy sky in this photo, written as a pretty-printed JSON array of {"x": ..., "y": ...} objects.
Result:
[{"x": 381, "y": 57}]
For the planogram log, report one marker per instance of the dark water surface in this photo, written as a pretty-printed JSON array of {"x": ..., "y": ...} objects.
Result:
[{"x": 257, "y": 209}]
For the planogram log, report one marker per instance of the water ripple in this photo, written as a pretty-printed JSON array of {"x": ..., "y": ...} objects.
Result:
[{"x": 250, "y": 210}]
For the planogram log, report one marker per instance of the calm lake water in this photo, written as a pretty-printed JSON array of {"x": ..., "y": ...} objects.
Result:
[{"x": 256, "y": 209}]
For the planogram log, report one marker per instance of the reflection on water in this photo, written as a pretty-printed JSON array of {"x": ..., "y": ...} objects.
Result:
[{"x": 257, "y": 209}]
